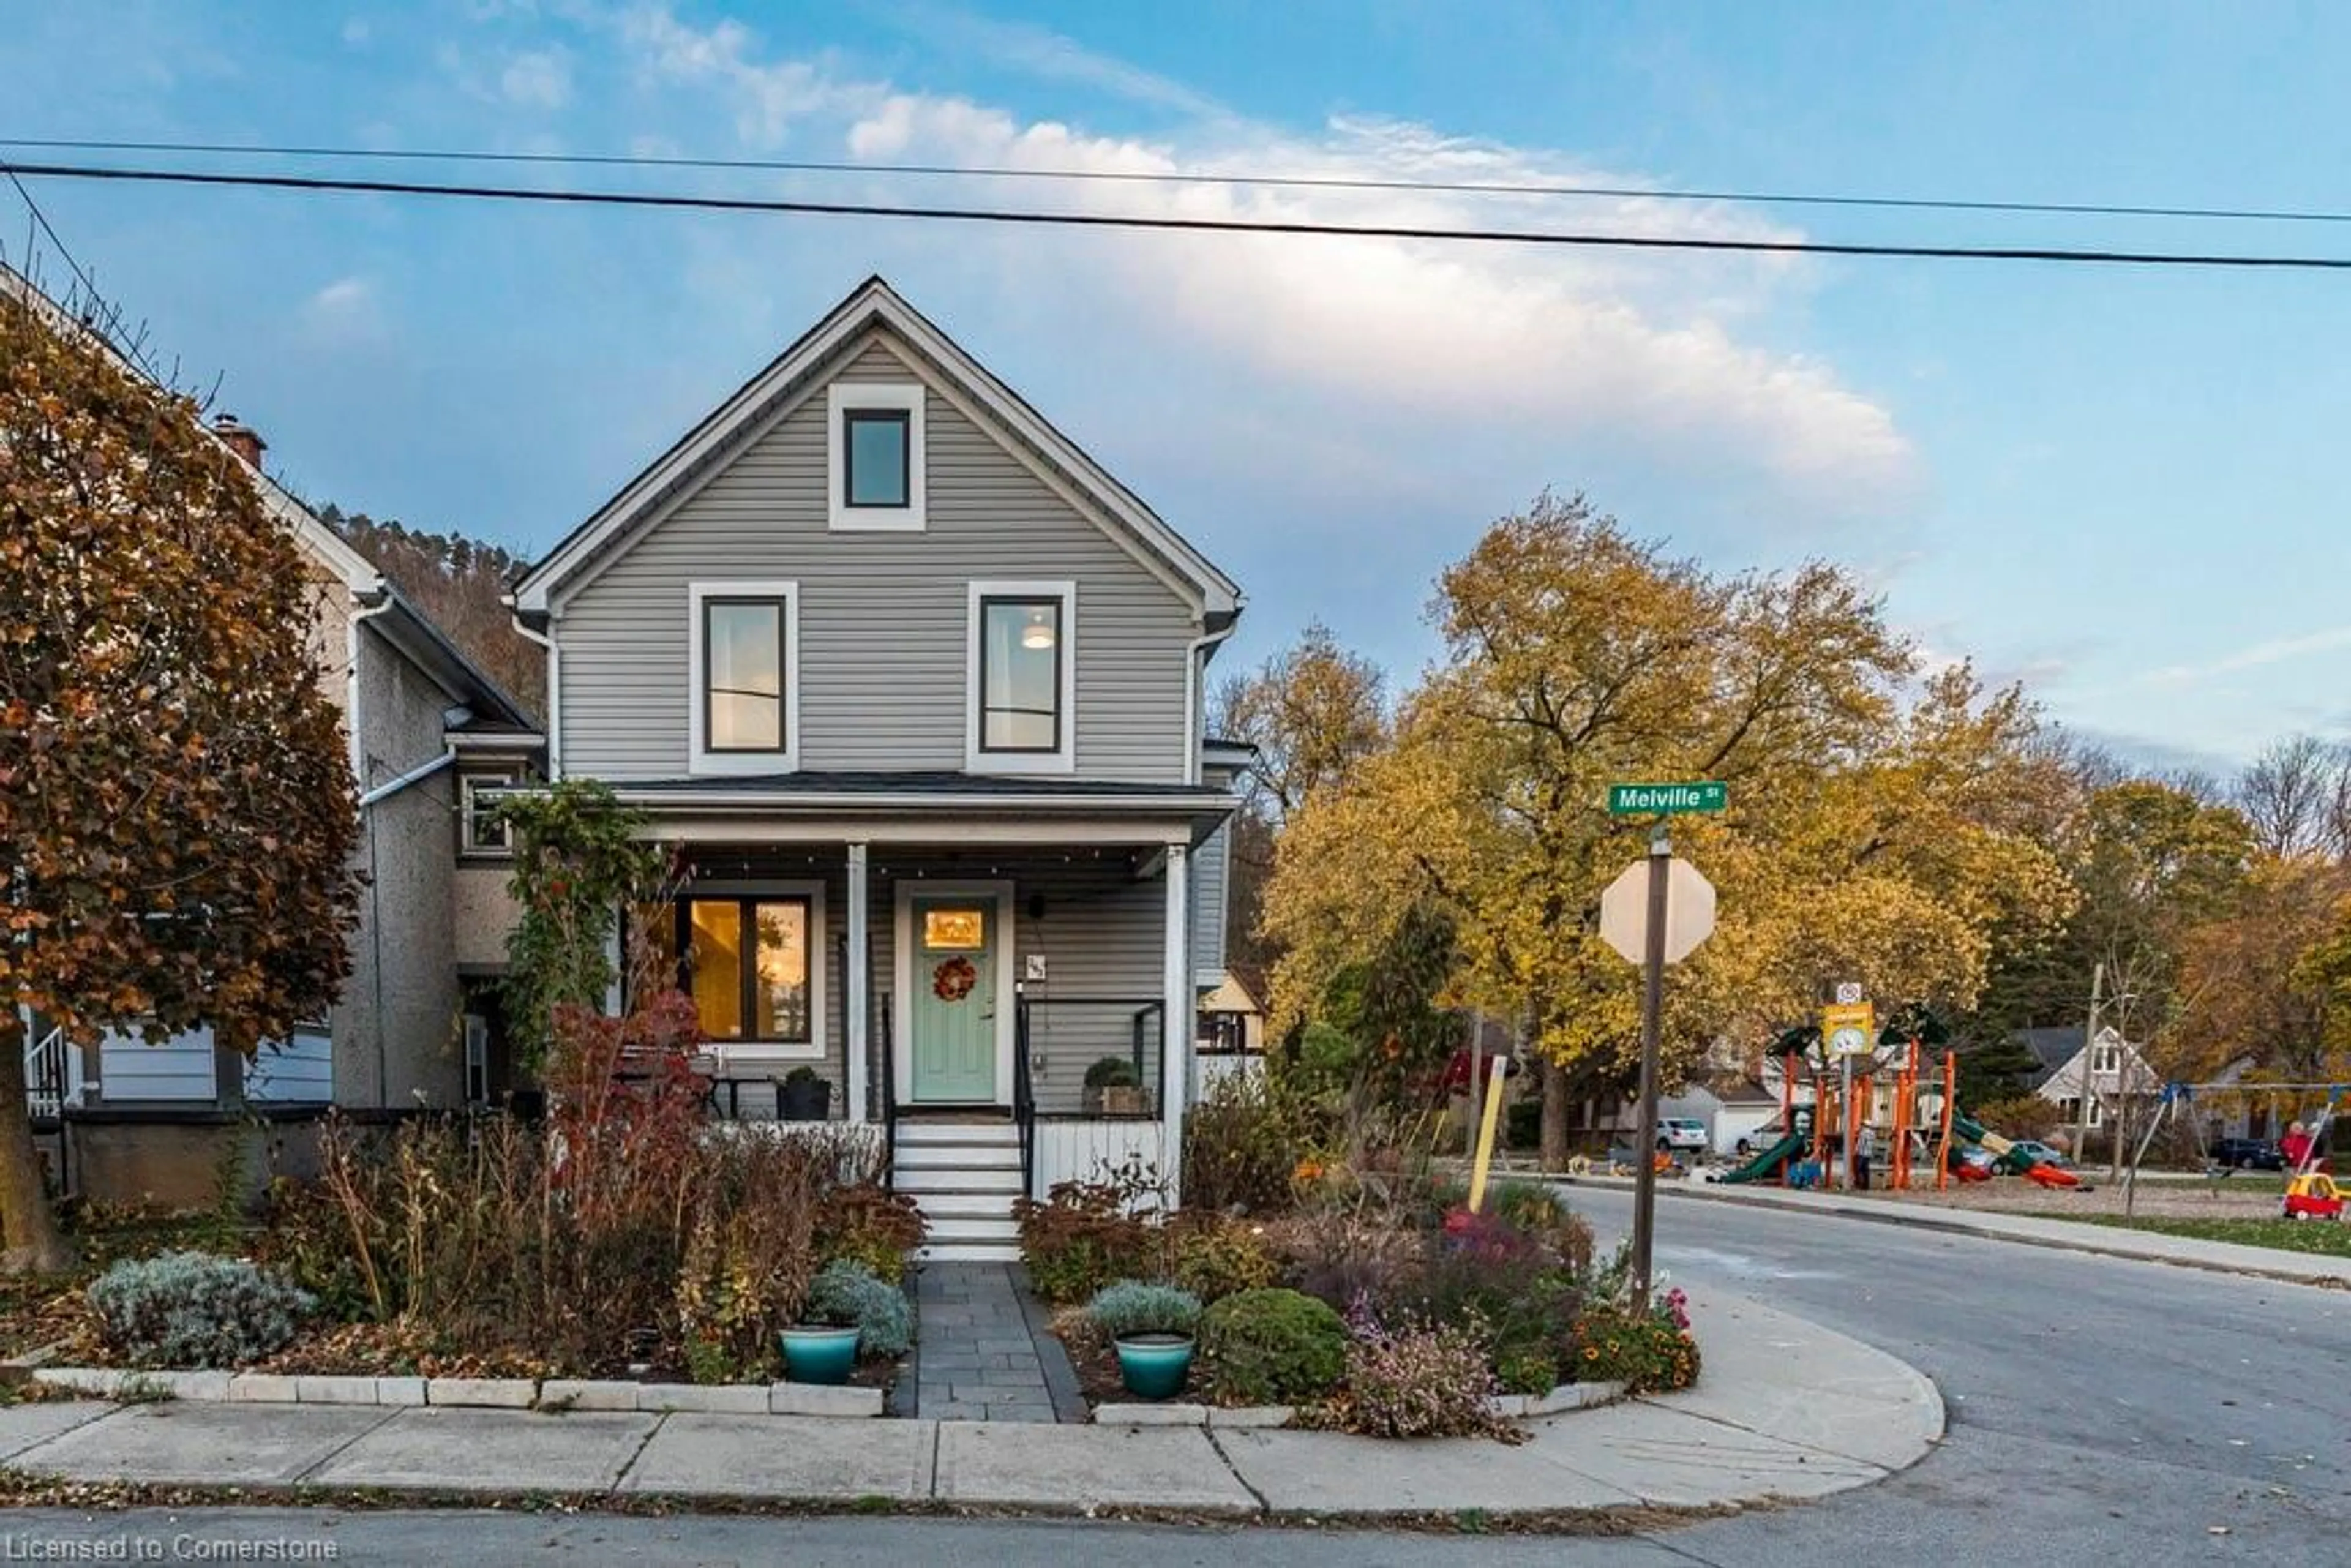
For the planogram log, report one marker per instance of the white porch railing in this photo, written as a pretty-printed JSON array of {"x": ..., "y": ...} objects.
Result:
[{"x": 48, "y": 1067}]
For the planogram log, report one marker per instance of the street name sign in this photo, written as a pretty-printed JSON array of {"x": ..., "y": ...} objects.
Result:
[{"x": 1645, "y": 799}]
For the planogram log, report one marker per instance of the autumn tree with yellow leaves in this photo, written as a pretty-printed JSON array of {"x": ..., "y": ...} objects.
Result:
[
  {"x": 176, "y": 819},
  {"x": 1880, "y": 827}
]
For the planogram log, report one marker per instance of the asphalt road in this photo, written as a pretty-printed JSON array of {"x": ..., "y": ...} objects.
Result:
[{"x": 2102, "y": 1413}]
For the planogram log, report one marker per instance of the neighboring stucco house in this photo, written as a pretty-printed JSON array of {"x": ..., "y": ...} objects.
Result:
[
  {"x": 918, "y": 689},
  {"x": 423, "y": 727}
]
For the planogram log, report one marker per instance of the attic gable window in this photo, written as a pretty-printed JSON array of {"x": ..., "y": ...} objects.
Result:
[{"x": 875, "y": 467}]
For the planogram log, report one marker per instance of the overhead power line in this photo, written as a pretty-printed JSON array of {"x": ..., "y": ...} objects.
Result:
[
  {"x": 682, "y": 201},
  {"x": 1199, "y": 177}
]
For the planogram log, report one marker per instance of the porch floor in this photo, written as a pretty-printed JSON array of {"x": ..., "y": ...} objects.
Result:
[{"x": 981, "y": 1357}]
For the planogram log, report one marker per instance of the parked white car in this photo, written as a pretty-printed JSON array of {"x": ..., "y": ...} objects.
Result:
[{"x": 1682, "y": 1135}]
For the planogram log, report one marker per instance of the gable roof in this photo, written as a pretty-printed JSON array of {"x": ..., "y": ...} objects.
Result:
[
  {"x": 727, "y": 428},
  {"x": 416, "y": 635}
]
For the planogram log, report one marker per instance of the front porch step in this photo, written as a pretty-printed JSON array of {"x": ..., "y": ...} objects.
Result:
[
  {"x": 958, "y": 1156},
  {"x": 969, "y": 1252},
  {"x": 987, "y": 1130},
  {"x": 1003, "y": 1186},
  {"x": 960, "y": 1203}
]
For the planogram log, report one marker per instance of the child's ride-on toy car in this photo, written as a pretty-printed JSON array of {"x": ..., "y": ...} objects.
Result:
[{"x": 2313, "y": 1195}]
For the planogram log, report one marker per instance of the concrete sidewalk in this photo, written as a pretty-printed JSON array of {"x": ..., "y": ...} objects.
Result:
[
  {"x": 1785, "y": 1409},
  {"x": 2104, "y": 1240}
]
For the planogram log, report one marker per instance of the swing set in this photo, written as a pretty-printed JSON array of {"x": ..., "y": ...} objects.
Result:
[{"x": 2311, "y": 1191}]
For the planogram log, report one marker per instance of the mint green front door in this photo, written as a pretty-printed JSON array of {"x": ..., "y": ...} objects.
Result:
[{"x": 954, "y": 1011}]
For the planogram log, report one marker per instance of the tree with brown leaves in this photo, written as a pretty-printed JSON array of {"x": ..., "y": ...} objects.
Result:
[{"x": 176, "y": 818}]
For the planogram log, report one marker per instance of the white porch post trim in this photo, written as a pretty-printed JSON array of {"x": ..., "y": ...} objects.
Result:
[
  {"x": 1175, "y": 1051},
  {"x": 861, "y": 968}
]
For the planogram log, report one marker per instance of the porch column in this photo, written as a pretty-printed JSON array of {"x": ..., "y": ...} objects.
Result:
[
  {"x": 855, "y": 1007},
  {"x": 1176, "y": 1040}
]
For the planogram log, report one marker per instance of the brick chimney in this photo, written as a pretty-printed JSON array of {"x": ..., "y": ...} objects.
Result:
[{"x": 242, "y": 438}]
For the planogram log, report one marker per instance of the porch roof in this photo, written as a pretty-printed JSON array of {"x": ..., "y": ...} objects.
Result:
[{"x": 933, "y": 797}]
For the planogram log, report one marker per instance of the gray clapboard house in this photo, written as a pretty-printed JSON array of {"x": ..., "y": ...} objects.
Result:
[{"x": 917, "y": 690}]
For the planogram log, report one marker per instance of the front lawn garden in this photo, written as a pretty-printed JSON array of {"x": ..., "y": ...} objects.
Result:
[
  {"x": 1354, "y": 1284},
  {"x": 628, "y": 1235}
]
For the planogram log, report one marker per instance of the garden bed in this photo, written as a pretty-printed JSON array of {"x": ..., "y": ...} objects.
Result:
[
  {"x": 1359, "y": 1292},
  {"x": 627, "y": 1243}
]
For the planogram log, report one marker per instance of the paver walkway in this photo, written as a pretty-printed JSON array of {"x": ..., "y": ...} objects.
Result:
[{"x": 979, "y": 1358}]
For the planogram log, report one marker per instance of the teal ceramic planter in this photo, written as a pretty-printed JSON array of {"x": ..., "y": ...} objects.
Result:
[
  {"x": 1154, "y": 1365},
  {"x": 820, "y": 1354}
]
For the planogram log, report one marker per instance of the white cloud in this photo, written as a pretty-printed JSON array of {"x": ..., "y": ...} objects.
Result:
[
  {"x": 2274, "y": 651},
  {"x": 538, "y": 78},
  {"x": 1531, "y": 348},
  {"x": 357, "y": 32},
  {"x": 344, "y": 312},
  {"x": 1052, "y": 57}
]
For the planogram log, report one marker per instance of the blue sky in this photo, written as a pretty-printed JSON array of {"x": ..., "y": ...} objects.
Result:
[{"x": 2121, "y": 487}]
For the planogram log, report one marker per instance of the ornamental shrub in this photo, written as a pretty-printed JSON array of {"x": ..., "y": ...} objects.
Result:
[
  {"x": 1112, "y": 1073},
  {"x": 1649, "y": 1354},
  {"x": 194, "y": 1310},
  {"x": 1273, "y": 1347},
  {"x": 1214, "y": 1258},
  {"x": 869, "y": 1224},
  {"x": 846, "y": 1294},
  {"x": 1427, "y": 1381},
  {"x": 1241, "y": 1144},
  {"x": 1080, "y": 1239},
  {"x": 1133, "y": 1306}
]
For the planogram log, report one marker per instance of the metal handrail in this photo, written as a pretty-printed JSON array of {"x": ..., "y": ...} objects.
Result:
[
  {"x": 1145, "y": 1007},
  {"x": 889, "y": 1101},
  {"x": 1024, "y": 1093}
]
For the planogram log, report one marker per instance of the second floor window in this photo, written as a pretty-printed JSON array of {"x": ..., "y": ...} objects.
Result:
[
  {"x": 743, "y": 674},
  {"x": 1020, "y": 674},
  {"x": 745, "y": 694}
]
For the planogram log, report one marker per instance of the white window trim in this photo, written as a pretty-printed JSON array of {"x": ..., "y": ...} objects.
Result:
[
  {"x": 1064, "y": 759},
  {"x": 468, "y": 784},
  {"x": 732, "y": 1053},
  {"x": 907, "y": 397},
  {"x": 699, "y": 759}
]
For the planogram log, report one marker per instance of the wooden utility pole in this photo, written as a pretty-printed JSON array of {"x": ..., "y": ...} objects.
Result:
[{"x": 2089, "y": 1046}]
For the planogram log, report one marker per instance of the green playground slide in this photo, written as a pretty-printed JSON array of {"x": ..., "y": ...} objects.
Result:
[{"x": 1768, "y": 1162}]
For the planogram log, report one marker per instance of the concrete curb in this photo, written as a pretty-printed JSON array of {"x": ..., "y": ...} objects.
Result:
[
  {"x": 2179, "y": 1251},
  {"x": 554, "y": 1397},
  {"x": 1786, "y": 1411}
]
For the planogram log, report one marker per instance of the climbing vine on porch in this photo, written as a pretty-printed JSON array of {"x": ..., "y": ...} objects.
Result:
[{"x": 577, "y": 861}]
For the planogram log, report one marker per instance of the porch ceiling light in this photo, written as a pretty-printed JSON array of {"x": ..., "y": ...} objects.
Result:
[{"x": 1038, "y": 632}]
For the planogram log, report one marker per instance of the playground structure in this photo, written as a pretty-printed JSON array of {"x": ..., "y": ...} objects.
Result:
[{"x": 1922, "y": 1112}]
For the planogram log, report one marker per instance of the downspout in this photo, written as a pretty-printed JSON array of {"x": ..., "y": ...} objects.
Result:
[
  {"x": 351, "y": 680},
  {"x": 353, "y": 645},
  {"x": 1195, "y": 656},
  {"x": 554, "y": 691},
  {"x": 391, "y": 787}
]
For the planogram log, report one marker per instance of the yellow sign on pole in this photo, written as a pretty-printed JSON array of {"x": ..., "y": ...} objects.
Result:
[
  {"x": 1849, "y": 1029},
  {"x": 1486, "y": 1134}
]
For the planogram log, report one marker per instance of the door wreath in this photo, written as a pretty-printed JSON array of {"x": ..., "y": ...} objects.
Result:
[{"x": 952, "y": 980}]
